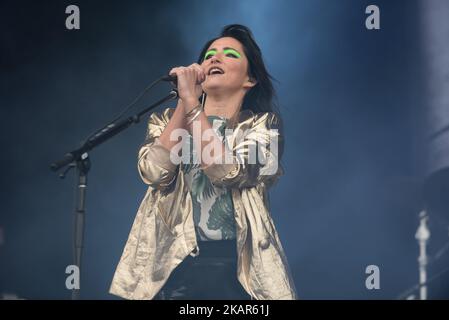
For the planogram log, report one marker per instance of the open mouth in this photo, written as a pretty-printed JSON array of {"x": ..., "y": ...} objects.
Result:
[{"x": 215, "y": 71}]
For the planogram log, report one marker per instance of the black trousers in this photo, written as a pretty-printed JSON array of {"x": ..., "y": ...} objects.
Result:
[{"x": 212, "y": 275}]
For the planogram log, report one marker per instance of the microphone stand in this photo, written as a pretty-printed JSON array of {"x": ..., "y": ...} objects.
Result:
[{"x": 79, "y": 159}]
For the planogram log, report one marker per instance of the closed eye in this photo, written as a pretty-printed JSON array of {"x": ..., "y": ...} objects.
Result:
[
  {"x": 209, "y": 54},
  {"x": 231, "y": 53}
]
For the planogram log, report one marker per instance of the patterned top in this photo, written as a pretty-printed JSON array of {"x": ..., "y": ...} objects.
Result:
[{"x": 213, "y": 210}]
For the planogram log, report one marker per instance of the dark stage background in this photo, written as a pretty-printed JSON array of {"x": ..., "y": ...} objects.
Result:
[{"x": 353, "y": 101}]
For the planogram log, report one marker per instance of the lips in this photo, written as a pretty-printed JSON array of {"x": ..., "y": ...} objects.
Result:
[{"x": 215, "y": 70}]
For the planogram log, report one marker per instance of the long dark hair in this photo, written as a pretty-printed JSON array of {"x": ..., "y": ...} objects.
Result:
[{"x": 261, "y": 97}]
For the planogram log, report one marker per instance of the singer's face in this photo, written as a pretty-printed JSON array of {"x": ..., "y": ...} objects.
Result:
[{"x": 227, "y": 54}]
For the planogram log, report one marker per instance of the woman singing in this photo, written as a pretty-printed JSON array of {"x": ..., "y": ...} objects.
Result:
[{"x": 204, "y": 229}]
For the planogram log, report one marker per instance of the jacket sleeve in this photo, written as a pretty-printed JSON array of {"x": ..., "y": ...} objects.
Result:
[
  {"x": 247, "y": 170},
  {"x": 154, "y": 164}
]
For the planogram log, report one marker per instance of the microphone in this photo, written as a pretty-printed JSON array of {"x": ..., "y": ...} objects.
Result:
[{"x": 170, "y": 78}]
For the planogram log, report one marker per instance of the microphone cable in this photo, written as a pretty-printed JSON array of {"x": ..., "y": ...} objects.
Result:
[{"x": 126, "y": 109}]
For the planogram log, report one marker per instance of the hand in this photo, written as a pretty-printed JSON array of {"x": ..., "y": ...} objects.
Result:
[{"x": 189, "y": 82}]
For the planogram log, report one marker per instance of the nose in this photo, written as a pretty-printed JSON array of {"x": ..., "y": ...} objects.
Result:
[{"x": 214, "y": 59}]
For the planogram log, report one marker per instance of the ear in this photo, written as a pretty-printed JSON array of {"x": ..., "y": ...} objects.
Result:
[{"x": 250, "y": 82}]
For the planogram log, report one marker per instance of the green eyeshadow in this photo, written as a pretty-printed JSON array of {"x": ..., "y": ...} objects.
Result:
[
  {"x": 210, "y": 53},
  {"x": 226, "y": 51}
]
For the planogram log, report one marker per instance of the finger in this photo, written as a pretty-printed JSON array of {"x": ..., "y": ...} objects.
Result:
[
  {"x": 189, "y": 73},
  {"x": 182, "y": 73},
  {"x": 200, "y": 69},
  {"x": 201, "y": 75},
  {"x": 173, "y": 71}
]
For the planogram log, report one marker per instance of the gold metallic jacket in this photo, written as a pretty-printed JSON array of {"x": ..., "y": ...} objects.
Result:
[{"x": 163, "y": 233}]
